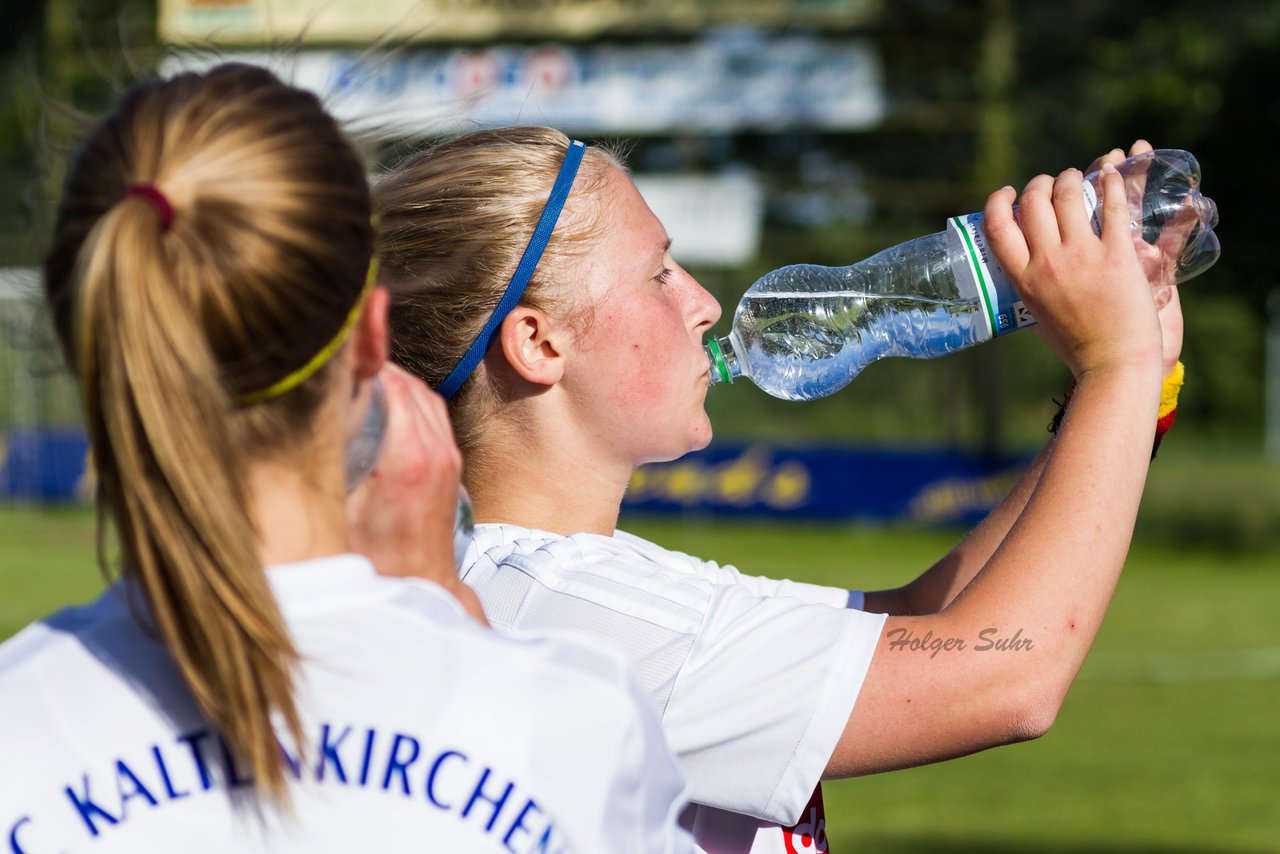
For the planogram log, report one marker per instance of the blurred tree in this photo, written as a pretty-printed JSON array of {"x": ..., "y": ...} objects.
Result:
[
  {"x": 1192, "y": 75},
  {"x": 21, "y": 17},
  {"x": 16, "y": 119},
  {"x": 1200, "y": 76},
  {"x": 60, "y": 62}
]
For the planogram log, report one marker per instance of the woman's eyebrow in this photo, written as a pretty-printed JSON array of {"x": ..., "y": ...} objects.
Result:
[{"x": 664, "y": 248}]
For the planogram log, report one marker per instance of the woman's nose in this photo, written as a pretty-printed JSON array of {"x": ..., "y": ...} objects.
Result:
[{"x": 705, "y": 309}]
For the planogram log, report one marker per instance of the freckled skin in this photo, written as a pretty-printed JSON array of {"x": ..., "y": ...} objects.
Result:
[{"x": 638, "y": 373}]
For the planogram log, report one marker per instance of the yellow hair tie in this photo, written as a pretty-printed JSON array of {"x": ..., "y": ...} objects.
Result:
[{"x": 291, "y": 381}]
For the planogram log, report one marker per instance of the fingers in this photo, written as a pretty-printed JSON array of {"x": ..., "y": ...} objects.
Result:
[
  {"x": 1169, "y": 312},
  {"x": 431, "y": 405},
  {"x": 1138, "y": 175},
  {"x": 1113, "y": 157},
  {"x": 1115, "y": 208},
  {"x": 427, "y": 407},
  {"x": 402, "y": 516},
  {"x": 1003, "y": 233},
  {"x": 419, "y": 434},
  {"x": 1068, "y": 204},
  {"x": 434, "y": 414},
  {"x": 402, "y": 411},
  {"x": 1039, "y": 220}
]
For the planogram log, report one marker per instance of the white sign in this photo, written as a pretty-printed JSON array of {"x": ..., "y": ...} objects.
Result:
[
  {"x": 442, "y": 21},
  {"x": 750, "y": 82},
  {"x": 714, "y": 221}
]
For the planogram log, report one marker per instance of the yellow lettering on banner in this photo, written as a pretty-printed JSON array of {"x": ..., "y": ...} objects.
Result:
[
  {"x": 686, "y": 483},
  {"x": 738, "y": 481},
  {"x": 955, "y": 496},
  {"x": 639, "y": 484},
  {"x": 747, "y": 479},
  {"x": 788, "y": 487}
]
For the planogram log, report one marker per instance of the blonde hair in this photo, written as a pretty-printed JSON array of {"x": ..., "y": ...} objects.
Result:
[
  {"x": 454, "y": 221},
  {"x": 167, "y": 325}
]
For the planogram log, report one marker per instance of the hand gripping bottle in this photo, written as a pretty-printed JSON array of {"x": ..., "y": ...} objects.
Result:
[
  {"x": 804, "y": 331},
  {"x": 364, "y": 449}
]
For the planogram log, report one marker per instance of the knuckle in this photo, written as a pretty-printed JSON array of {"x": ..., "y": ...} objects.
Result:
[
  {"x": 998, "y": 229},
  {"x": 393, "y": 378}
]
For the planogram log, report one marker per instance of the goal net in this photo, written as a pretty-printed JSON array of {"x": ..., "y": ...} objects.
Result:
[{"x": 43, "y": 452}]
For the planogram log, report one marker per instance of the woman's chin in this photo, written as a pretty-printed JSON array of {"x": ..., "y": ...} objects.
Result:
[
  {"x": 666, "y": 455},
  {"x": 702, "y": 436}
]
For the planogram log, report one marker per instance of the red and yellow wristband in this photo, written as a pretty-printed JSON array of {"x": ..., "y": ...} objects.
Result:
[
  {"x": 1168, "y": 404},
  {"x": 1164, "y": 418}
]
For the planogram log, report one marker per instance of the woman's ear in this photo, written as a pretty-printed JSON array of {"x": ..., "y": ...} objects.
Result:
[
  {"x": 534, "y": 347},
  {"x": 371, "y": 339}
]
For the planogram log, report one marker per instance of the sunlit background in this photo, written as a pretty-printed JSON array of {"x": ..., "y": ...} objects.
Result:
[{"x": 770, "y": 132}]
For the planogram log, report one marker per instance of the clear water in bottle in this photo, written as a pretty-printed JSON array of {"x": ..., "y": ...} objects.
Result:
[
  {"x": 365, "y": 446},
  {"x": 805, "y": 331},
  {"x": 809, "y": 330}
]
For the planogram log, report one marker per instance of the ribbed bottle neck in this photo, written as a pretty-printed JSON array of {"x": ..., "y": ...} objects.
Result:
[{"x": 723, "y": 357}]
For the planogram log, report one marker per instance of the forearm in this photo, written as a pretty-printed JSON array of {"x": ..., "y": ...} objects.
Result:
[
  {"x": 937, "y": 586},
  {"x": 938, "y": 686},
  {"x": 1054, "y": 574}
]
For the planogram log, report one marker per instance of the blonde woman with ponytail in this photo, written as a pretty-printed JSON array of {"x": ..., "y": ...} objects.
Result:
[{"x": 248, "y": 683}]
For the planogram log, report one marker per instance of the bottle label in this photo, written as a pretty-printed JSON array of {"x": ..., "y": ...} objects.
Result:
[
  {"x": 978, "y": 274},
  {"x": 1092, "y": 208}
]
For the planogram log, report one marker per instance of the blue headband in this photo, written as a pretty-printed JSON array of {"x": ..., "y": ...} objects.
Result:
[{"x": 524, "y": 272}]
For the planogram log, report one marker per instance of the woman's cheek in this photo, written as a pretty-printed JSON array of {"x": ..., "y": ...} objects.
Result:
[
  {"x": 639, "y": 380},
  {"x": 647, "y": 345}
]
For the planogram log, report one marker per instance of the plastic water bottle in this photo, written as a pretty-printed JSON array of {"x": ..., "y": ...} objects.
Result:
[
  {"x": 364, "y": 449},
  {"x": 803, "y": 332}
]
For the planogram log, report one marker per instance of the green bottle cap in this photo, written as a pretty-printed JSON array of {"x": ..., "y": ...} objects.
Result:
[{"x": 717, "y": 360}]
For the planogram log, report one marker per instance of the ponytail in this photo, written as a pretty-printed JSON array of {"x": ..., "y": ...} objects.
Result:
[
  {"x": 157, "y": 419},
  {"x": 212, "y": 238}
]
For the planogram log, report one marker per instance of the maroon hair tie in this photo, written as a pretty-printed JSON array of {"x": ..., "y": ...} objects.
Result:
[{"x": 158, "y": 201}]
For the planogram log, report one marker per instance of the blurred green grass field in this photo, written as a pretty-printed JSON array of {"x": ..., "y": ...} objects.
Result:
[{"x": 1169, "y": 742}]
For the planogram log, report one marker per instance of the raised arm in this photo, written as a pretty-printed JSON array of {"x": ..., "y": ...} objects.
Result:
[
  {"x": 1051, "y": 578},
  {"x": 402, "y": 516},
  {"x": 934, "y": 589},
  {"x": 939, "y": 585}
]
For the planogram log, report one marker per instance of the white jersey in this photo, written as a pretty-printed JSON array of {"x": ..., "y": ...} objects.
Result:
[
  {"x": 425, "y": 731},
  {"x": 755, "y": 678}
]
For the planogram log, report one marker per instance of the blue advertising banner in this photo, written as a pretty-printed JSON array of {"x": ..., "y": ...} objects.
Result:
[
  {"x": 44, "y": 465},
  {"x": 928, "y": 486}
]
